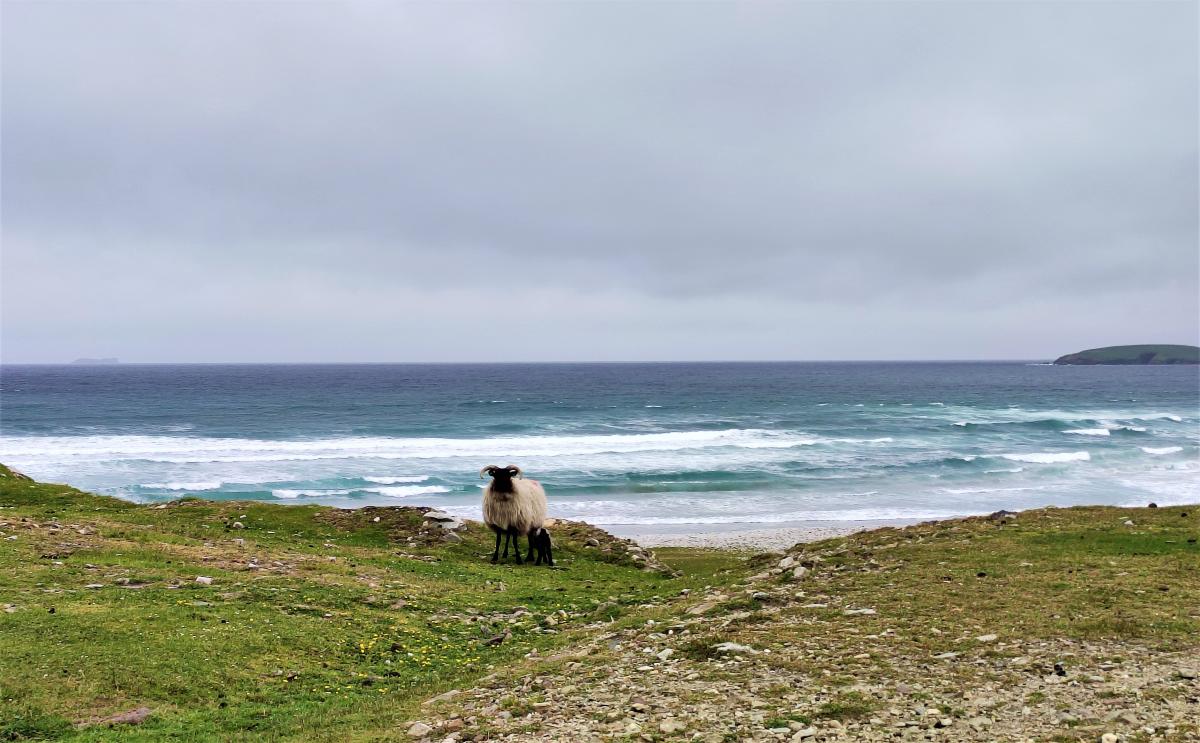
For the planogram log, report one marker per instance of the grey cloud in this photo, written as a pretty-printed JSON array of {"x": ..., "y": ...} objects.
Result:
[{"x": 315, "y": 176}]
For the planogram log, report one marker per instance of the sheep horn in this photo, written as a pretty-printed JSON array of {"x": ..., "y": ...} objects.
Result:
[
  {"x": 486, "y": 470},
  {"x": 515, "y": 470}
]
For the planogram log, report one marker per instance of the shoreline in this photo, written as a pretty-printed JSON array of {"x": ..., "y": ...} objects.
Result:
[{"x": 747, "y": 535}]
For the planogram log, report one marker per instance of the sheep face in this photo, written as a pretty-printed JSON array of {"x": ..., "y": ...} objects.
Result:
[{"x": 502, "y": 479}]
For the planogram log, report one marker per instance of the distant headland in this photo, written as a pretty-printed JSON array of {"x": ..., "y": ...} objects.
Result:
[
  {"x": 96, "y": 361},
  {"x": 1147, "y": 354}
]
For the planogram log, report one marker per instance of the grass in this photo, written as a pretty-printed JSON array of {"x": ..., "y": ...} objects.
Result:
[
  {"x": 332, "y": 625},
  {"x": 339, "y": 632}
]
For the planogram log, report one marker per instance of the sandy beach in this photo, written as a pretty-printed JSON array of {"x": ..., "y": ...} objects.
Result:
[{"x": 752, "y": 536}]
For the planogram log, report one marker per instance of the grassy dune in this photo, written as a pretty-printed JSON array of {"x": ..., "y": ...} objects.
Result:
[{"x": 321, "y": 624}]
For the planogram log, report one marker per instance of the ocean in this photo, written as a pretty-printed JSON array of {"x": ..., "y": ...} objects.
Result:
[{"x": 643, "y": 444}]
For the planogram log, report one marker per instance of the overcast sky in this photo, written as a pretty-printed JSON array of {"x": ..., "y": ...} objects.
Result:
[{"x": 621, "y": 181}]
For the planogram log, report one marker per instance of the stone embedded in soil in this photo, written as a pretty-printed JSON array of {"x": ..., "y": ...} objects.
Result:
[
  {"x": 132, "y": 717},
  {"x": 419, "y": 730},
  {"x": 733, "y": 647}
]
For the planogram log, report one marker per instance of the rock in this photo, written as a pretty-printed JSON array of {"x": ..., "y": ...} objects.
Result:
[
  {"x": 237, "y": 525},
  {"x": 451, "y": 537},
  {"x": 987, "y": 638},
  {"x": 807, "y": 732},
  {"x": 132, "y": 717},
  {"x": 858, "y": 612},
  {"x": 671, "y": 725},
  {"x": 733, "y": 647},
  {"x": 592, "y": 542},
  {"x": 1187, "y": 673},
  {"x": 446, "y": 697},
  {"x": 979, "y": 723},
  {"x": 665, "y": 653},
  {"x": 1128, "y": 522},
  {"x": 799, "y": 572},
  {"x": 944, "y": 722},
  {"x": 1109, "y": 738},
  {"x": 419, "y": 730},
  {"x": 787, "y": 563},
  {"x": 94, "y": 585},
  {"x": 945, "y": 656},
  {"x": 204, "y": 580}
]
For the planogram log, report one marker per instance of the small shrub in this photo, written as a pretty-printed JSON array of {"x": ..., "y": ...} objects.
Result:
[{"x": 849, "y": 706}]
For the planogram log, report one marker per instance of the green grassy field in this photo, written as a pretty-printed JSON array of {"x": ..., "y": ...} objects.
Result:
[
  {"x": 338, "y": 633},
  {"x": 321, "y": 624}
]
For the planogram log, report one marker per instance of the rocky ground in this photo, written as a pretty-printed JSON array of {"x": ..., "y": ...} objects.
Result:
[{"x": 795, "y": 653}]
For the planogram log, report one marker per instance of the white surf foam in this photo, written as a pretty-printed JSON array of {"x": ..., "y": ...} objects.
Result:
[
  {"x": 395, "y": 480},
  {"x": 1162, "y": 449},
  {"x": 289, "y": 494},
  {"x": 204, "y": 485},
  {"x": 194, "y": 450},
  {"x": 404, "y": 492},
  {"x": 1089, "y": 431},
  {"x": 1048, "y": 457}
]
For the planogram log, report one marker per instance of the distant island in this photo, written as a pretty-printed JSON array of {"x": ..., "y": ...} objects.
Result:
[
  {"x": 1147, "y": 354},
  {"x": 96, "y": 361}
]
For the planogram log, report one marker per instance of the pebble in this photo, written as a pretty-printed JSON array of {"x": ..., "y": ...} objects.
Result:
[
  {"x": 987, "y": 638},
  {"x": 788, "y": 562},
  {"x": 799, "y": 572},
  {"x": 671, "y": 725},
  {"x": 204, "y": 580},
  {"x": 1187, "y": 673},
  {"x": 858, "y": 612},
  {"x": 805, "y": 733},
  {"x": 1109, "y": 738}
]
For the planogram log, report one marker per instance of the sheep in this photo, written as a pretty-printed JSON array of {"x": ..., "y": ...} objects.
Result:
[{"x": 513, "y": 506}]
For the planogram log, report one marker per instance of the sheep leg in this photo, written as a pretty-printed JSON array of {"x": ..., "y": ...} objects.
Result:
[
  {"x": 516, "y": 546},
  {"x": 533, "y": 547},
  {"x": 505, "y": 555},
  {"x": 496, "y": 552},
  {"x": 545, "y": 547}
]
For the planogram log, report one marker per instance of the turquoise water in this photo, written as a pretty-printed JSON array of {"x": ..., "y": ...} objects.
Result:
[{"x": 619, "y": 443}]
